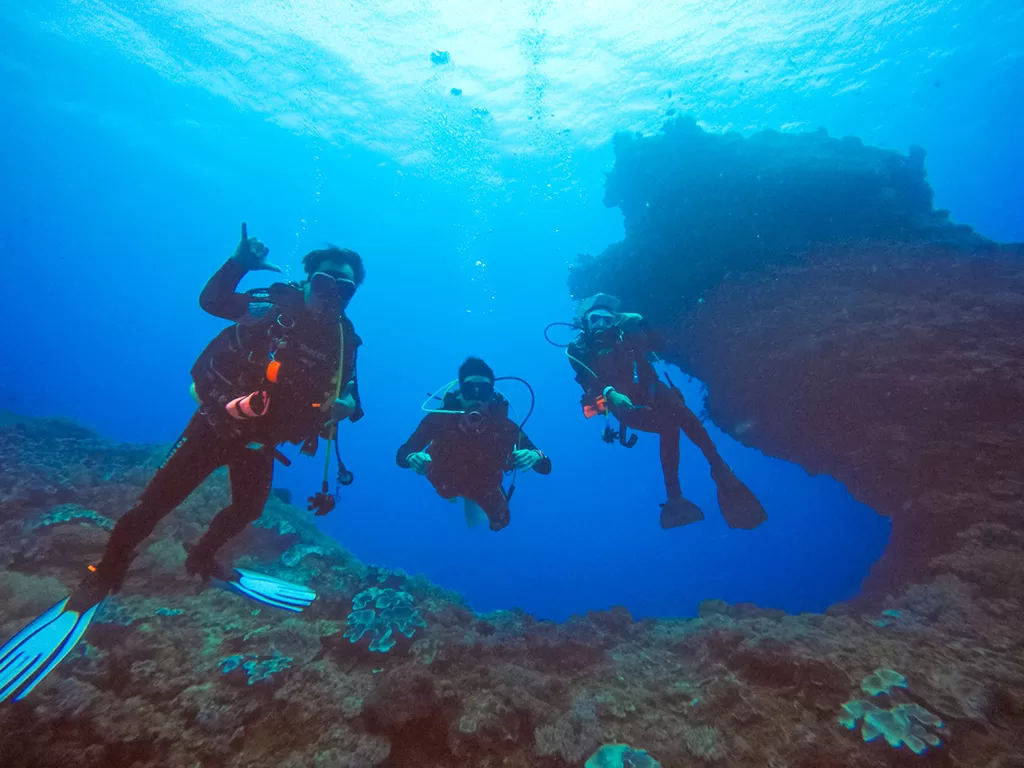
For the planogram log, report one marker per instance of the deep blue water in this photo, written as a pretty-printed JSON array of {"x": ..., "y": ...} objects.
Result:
[{"x": 135, "y": 141}]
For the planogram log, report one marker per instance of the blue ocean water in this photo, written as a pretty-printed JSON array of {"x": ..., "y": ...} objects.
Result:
[{"x": 136, "y": 138}]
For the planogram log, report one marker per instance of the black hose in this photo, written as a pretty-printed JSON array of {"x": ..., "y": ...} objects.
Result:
[
  {"x": 344, "y": 476},
  {"x": 553, "y": 325},
  {"x": 533, "y": 396}
]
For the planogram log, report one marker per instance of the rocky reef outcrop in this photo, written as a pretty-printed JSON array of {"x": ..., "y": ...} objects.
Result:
[
  {"x": 389, "y": 670},
  {"x": 839, "y": 322}
]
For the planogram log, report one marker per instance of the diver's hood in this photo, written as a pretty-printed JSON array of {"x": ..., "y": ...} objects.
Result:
[{"x": 597, "y": 301}]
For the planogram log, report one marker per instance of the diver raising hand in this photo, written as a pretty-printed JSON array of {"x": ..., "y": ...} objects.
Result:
[
  {"x": 252, "y": 254},
  {"x": 284, "y": 371}
]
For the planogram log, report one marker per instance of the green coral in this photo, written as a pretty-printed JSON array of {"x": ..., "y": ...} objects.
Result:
[
  {"x": 621, "y": 756},
  {"x": 903, "y": 724},
  {"x": 380, "y": 612},
  {"x": 882, "y": 681},
  {"x": 66, "y": 513},
  {"x": 256, "y": 669}
]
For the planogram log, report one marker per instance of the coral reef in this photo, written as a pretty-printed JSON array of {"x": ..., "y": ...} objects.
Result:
[
  {"x": 379, "y": 612},
  {"x": 902, "y": 723},
  {"x": 841, "y": 323},
  {"x": 621, "y": 756},
  {"x": 255, "y": 668},
  {"x": 66, "y": 513},
  {"x": 175, "y": 676}
]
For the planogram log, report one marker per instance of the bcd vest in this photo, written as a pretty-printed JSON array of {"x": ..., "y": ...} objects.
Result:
[{"x": 290, "y": 353}]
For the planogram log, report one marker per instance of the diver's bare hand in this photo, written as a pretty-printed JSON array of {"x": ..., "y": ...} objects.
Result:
[{"x": 252, "y": 254}]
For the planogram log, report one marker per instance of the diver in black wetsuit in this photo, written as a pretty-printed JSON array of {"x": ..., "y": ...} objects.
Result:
[
  {"x": 465, "y": 447},
  {"x": 611, "y": 359},
  {"x": 284, "y": 372}
]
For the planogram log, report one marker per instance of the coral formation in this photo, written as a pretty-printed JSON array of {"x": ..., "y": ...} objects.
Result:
[
  {"x": 379, "y": 613},
  {"x": 621, "y": 756},
  {"x": 66, "y": 513},
  {"x": 839, "y": 322},
  {"x": 882, "y": 681},
  {"x": 255, "y": 667},
  {"x": 226, "y": 683},
  {"x": 902, "y": 723}
]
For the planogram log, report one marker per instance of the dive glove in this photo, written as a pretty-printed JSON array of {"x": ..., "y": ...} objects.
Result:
[
  {"x": 419, "y": 462},
  {"x": 616, "y": 400},
  {"x": 525, "y": 459}
]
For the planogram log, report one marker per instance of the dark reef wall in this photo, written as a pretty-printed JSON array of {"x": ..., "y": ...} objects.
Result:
[
  {"x": 174, "y": 676},
  {"x": 841, "y": 323}
]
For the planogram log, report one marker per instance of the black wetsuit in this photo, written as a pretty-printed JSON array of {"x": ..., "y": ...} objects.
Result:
[
  {"x": 470, "y": 463},
  {"x": 619, "y": 358},
  {"x": 212, "y": 439}
]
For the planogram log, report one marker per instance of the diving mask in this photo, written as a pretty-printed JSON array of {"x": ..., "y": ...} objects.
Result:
[
  {"x": 600, "y": 320},
  {"x": 475, "y": 390},
  {"x": 342, "y": 286}
]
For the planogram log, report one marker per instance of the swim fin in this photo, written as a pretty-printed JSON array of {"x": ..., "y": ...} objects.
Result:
[
  {"x": 473, "y": 512},
  {"x": 678, "y": 511},
  {"x": 739, "y": 505},
  {"x": 268, "y": 590},
  {"x": 33, "y": 653}
]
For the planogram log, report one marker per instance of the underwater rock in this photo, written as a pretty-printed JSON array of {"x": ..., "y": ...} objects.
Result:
[
  {"x": 839, "y": 322},
  {"x": 172, "y": 675},
  {"x": 402, "y": 697}
]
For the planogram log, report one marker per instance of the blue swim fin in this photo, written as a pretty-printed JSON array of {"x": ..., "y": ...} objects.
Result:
[
  {"x": 33, "y": 653},
  {"x": 267, "y": 589},
  {"x": 473, "y": 512}
]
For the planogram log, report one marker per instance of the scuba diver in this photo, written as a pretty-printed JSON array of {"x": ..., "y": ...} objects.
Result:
[
  {"x": 612, "y": 358},
  {"x": 285, "y": 371},
  {"x": 465, "y": 447}
]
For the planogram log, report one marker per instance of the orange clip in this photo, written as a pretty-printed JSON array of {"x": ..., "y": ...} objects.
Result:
[{"x": 273, "y": 368}]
